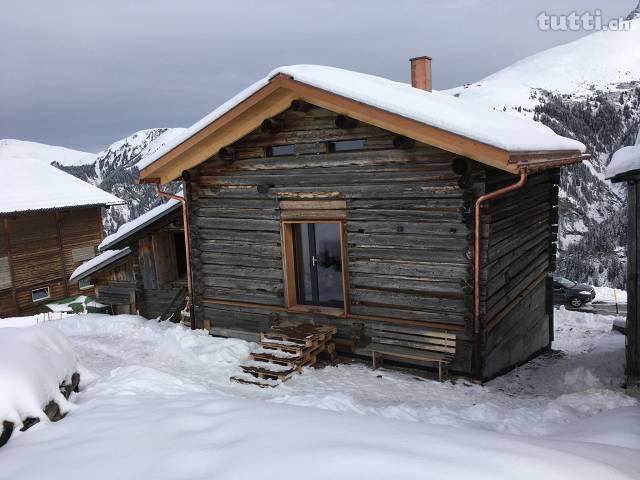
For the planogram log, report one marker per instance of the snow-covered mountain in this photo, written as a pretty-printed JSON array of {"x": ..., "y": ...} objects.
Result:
[
  {"x": 588, "y": 89},
  {"x": 18, "y": 149},
  {"x": 112, "y": 170}
]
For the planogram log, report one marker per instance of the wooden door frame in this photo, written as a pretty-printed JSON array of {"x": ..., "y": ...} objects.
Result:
[{"x": 288, "y": 265}]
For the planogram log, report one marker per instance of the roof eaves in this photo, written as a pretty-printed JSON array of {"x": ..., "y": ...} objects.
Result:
[
  {"x": 101, "y": 266},
  {"x": 120, "y": 241}
]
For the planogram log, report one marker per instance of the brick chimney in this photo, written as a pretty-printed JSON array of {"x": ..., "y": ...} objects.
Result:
[{"x": 421, "y": 73}]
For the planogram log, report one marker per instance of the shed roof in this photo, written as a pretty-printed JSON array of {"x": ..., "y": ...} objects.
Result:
[
  {"x": 129, "y": 229},
  {"x": 32, "y": 185},
  {"x": 625, "y": 162},
  {"x": 496, "y": 138},
  {"x": 98, "y": 263}
]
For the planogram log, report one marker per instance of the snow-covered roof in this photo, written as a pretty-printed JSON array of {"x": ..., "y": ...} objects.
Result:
[
  {"x": 98, "y": 263},
  {"x": 28, "y": 184},
  {"x": 11, "y": 149},
  {"x": 625, "y": 160},
  {"x": 435, "y": 109},
  {"x": 134, "y": 226}
]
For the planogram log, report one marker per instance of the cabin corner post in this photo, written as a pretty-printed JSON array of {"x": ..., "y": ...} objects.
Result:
[
  {"x": 191, "y": 205},
  {"x": 477, "y": 331}
]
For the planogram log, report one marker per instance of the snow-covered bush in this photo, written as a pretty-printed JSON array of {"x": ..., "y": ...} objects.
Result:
[{"x": 34, "y": 363}]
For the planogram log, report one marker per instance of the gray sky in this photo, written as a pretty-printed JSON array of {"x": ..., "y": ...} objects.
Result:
[{"x": 86, "y": 73}]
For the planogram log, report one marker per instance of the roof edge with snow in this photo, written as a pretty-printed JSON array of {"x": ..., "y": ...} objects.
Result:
[
  {"x": 495, "y": 138},
  {"x": 97, "y": 263},
  {"x": 130, "y": 229}
]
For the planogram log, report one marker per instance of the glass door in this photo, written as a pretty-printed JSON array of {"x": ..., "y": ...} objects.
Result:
[{"x": 318, "y": 264}]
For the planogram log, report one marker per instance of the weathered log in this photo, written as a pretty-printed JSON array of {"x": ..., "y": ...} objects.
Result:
[
  {"x": 271, "y": 125},
  {"x": 300, "y": 106},
  {"x": 226, "y": 154},
  {"x": 404, "y": 143},
  {"x": 346, "y": 123},
  {"x": 7, "y": 430}
]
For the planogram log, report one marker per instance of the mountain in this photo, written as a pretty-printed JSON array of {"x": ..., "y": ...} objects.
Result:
[
  {"x": 113, "y": 170},
  {"x": 18, "y": 149},
  {"x": 588, "y": 89}
]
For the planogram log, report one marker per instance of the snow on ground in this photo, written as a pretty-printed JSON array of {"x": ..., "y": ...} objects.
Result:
[
  {"x": 34, "y": 361},
  {"x": 565, "y": 69},
  {"x": 610, "y": 295},
  {"x": 157, "y": 397}
]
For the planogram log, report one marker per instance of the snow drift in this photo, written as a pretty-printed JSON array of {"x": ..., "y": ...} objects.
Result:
[{"x": 34, "y": 361}]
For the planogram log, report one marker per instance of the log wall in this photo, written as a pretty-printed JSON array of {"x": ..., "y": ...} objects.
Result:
[
  {"x": 519, "y": 236},
  {"x": 407, "y": 240}
]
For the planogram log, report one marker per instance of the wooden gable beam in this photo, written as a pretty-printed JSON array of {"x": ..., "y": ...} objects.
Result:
[{"x": 269, "y": 101}]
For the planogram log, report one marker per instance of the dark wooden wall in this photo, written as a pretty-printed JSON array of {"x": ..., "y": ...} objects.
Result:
[
  {"x": 43, "y": 249},
  {"x": 633, "y": 284},
  {"x": 148, "y": 281},
  {"x": 406, "y": 236},
  {"x": 519, "y": 236},
  {"x": 116, "y": 286}
]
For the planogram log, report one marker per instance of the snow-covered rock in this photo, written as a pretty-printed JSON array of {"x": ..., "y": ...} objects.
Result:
[{"x": 34, "y": 362}]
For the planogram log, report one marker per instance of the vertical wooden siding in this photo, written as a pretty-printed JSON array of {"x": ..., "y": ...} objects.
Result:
[{"x": 36, "y": 240}]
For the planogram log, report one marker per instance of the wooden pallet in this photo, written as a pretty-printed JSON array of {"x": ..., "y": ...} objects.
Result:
[{"x": 284, "y": 351}]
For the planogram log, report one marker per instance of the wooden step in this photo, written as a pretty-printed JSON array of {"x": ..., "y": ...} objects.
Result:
[{"x": 251, "y": 380}]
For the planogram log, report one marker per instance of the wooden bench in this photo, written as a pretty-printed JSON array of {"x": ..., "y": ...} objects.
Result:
[{"x": 412, "y": 343}]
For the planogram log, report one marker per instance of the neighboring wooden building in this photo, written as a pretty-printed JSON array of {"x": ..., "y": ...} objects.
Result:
[
  {"x": 625, "y": 167},
  {"x": 142, "y": 266},
  {"x": 50, "y": 222},
  {"x": 333, "y": 197}
]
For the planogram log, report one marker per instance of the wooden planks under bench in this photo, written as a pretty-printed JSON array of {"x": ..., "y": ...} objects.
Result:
[{"x": 414, "y": 344}]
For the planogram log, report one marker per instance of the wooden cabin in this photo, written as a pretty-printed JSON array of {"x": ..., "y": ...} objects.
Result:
[
  {"x": 325, "y": 196},
  {"x": 50, "y": 222},
  {"x": 142, "y": 267},
  {"x": 625, "y": 167}
]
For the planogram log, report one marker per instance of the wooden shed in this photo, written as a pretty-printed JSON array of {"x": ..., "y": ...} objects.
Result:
[
  {"x": 142, "y": 267},
  {"x": 50, "y": 222},
  {"x": 625, "y": 167},
  {"x": 320, "y": 195}
]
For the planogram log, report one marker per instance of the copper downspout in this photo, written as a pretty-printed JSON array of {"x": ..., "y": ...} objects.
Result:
[
  {"x": 187, "y": 247},
  {"x": 476, "y": 268}
]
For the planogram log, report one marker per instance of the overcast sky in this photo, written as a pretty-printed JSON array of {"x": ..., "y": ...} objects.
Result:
[{"x": 85, "y": 73}]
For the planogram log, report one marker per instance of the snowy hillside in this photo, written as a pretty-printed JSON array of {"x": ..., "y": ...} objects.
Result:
[
  {"x": 18, "y": 149},
  {"x": 606, "y": 61},
  {"x": 588, "y": 89}
]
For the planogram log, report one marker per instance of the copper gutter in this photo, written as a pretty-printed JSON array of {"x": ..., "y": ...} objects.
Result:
[
  {"x": 476, "y": 268},
  {"x": 187, "y": 248}
]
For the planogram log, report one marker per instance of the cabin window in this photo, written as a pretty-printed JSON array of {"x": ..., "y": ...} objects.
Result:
[
  {"x": 39, "y": 294},
  {"x": 314, "y": 264},
  {"x": 84, "y": 284},
  {"x": 346, "y": 145},
  {"x": 281, "y": 151}
]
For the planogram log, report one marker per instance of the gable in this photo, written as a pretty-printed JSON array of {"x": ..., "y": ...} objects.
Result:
[{"x": 229, "y": 123}]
